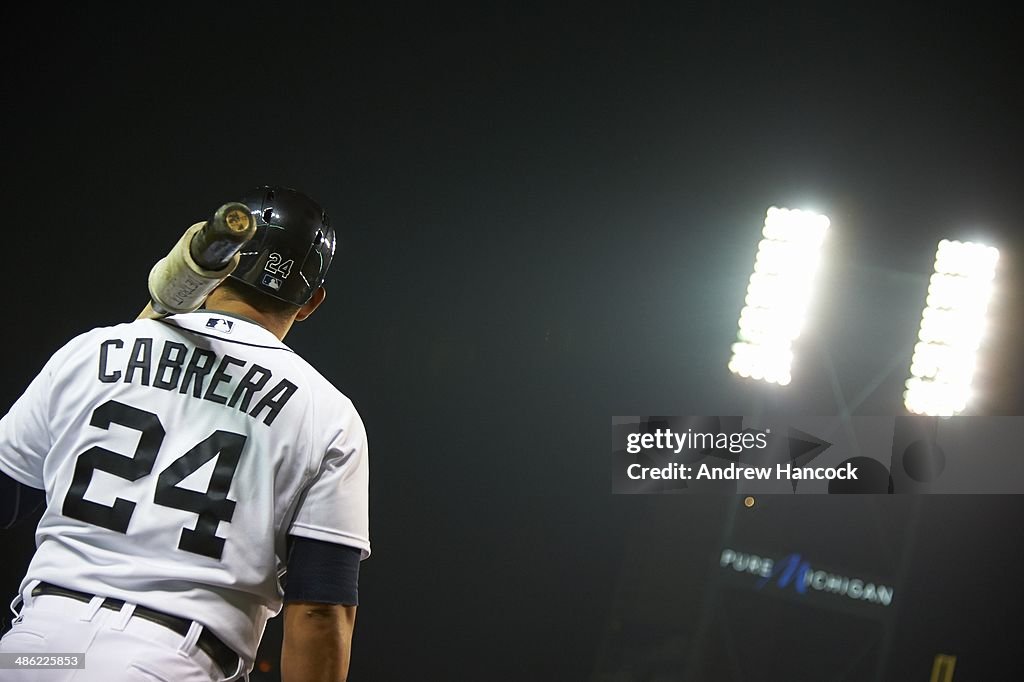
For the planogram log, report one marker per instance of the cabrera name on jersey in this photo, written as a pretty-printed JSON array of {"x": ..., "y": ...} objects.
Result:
[
  {"x": 177, "y": 456},
  {"x": 188, "y": 371}
]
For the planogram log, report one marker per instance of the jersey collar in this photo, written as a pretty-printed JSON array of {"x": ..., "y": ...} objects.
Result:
[{"x": 218, "y": 324}]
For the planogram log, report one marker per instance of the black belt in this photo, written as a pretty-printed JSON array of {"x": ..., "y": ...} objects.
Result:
[{"x": 218, "y": 651}]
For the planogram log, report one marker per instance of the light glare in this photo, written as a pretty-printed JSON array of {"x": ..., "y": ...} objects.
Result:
[
  {"x": 778, "y": 294},
  {"x": 952, "y": 328}
]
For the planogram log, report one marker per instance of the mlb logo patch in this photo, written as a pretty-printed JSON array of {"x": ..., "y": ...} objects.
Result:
[
  {"x": 272, "y": 282},
  {"x": 219, "y": 324}
]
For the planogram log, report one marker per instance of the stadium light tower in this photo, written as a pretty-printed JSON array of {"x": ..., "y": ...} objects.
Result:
[
  {"x": 778, "y": 295},
  {"x": 952, "y": 326}
]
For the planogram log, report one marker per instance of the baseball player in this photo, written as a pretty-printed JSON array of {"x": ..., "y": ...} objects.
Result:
[{"x": 191, "y": 465}]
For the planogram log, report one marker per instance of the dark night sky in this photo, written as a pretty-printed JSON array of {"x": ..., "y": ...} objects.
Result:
[{"x": 547, "y": 218}]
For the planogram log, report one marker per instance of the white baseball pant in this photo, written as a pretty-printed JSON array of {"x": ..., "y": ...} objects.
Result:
[{"x": 117, "y": 647}]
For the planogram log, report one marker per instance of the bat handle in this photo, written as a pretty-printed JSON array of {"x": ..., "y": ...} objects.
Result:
[{"x": 214, "y": 246}]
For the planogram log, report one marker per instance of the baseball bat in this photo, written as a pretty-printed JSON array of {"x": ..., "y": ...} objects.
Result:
[{"x": 199, "y": 261}]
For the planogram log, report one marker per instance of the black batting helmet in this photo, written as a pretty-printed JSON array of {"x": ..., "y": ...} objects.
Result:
[{"x": 293, "y": 246}]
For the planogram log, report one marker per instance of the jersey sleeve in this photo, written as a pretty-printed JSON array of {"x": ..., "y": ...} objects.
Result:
[
  {"x": 25, "y": 437},
  {"x": 335, "y": 505}
]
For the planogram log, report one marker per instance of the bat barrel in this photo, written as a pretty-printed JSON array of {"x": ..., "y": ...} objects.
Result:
[{"x": 222, "y": 237}]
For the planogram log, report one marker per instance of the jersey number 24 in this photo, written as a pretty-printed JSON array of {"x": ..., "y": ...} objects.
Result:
[{"x": 212, "y": 506}]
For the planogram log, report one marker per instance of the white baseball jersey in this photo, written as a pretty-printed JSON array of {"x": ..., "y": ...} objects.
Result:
[{"x": 176, "y": 456}]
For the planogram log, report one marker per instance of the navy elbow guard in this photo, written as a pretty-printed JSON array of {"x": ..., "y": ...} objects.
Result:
[
  {"x": 17, "y": 501},
  {"x": 322, "y": 572}
]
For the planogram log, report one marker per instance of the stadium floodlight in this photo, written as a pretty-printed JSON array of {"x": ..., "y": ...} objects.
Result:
[
  {"x": 952, "y": 326},
  {"x": 778, "y": 295}
]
